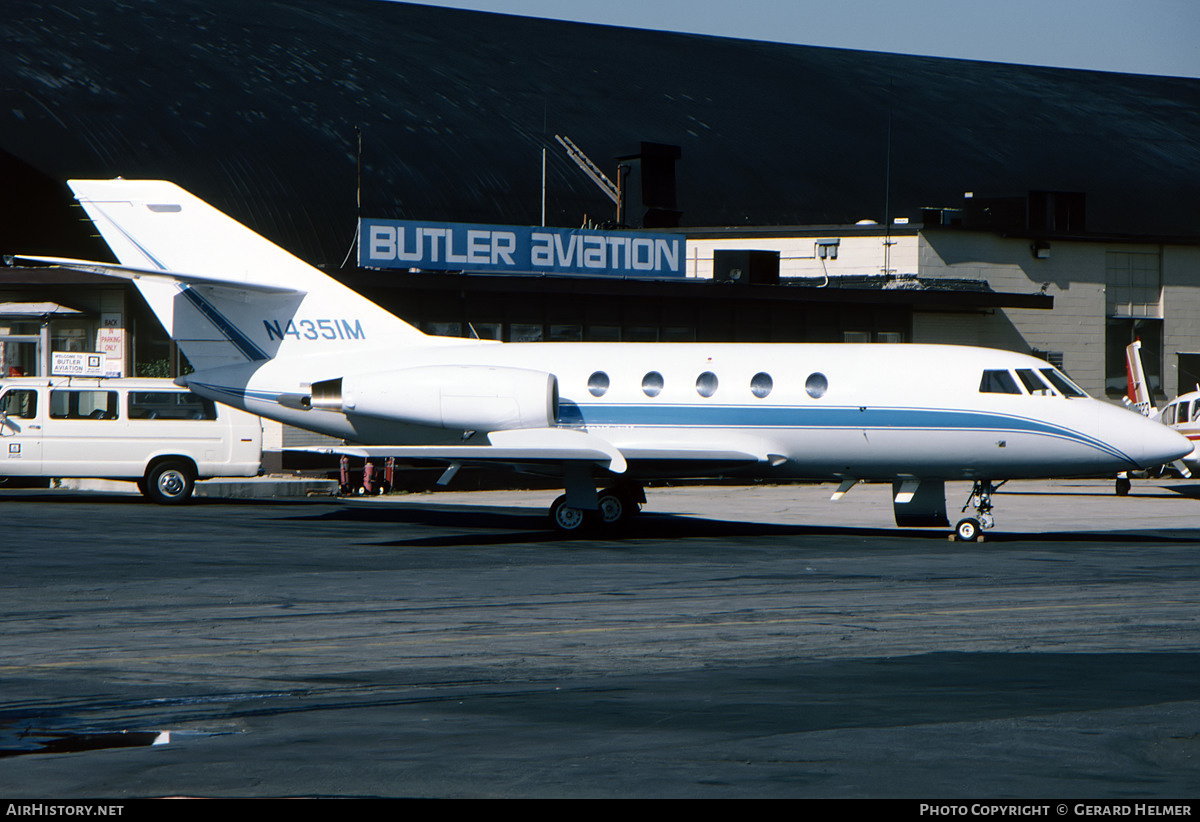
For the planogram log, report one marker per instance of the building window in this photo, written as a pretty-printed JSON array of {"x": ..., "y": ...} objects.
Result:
[
  {"x": 525, "y": 332},
  {"x": 1133, "y": 284},
  {"x": 443, "y": 329},
  {"x": 566, "y": 333}
]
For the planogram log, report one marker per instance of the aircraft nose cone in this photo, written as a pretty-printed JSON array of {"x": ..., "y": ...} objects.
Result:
[
  {"x": 1161, "y": 445},
  {"x": 1144, "y": 442}
]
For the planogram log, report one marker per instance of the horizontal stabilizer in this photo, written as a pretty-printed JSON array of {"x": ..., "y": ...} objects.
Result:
[{"x": 130, "y": 273}]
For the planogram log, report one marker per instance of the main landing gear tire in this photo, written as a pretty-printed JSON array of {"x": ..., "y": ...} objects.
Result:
[
  {"x": 615, "y": 508},
  {"x": 967, "y": 530},
  {"x": 1123, "y": 486},
  {"x": 169, "y": 483},
  {"x": 565, "y": 518}
]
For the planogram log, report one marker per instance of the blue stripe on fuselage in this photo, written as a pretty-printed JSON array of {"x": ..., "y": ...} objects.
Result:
[{"x": 823, "y": 417}]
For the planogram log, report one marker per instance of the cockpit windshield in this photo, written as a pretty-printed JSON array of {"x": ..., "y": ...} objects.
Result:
[
  {"x": 1065, "y": 386},
  {"x": 1043, "y": 382},
  {"x": 998, "y": 382}
]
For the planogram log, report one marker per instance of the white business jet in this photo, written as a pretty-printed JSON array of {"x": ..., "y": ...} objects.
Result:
[{"x": 270, "y": 334}]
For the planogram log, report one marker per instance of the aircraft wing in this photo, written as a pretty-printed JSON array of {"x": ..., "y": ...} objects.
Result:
[
  {"x": 540, "y": 446},
  {"x": 528, "y": 446},
  {"x": 126, "y": 272}
]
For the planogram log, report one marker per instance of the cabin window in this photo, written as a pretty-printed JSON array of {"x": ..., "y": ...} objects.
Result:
[
  {"x": 761, "y": 384},
  {"x": 1168, "y": 415},
  {"x": 1033, "y": 384},
  {"x": 169, "y": 405},
  {"x": 1064, "y": 385},
  {"x": 598, "y": 384},
  {"x": 998, "y": 382},
  {"x": 83, "y": 405},
  {"x": 816, "y": 385},
  {"x": 652, "y": 384},
  {"x": 20, "y": 404},
  {"x": 706, "y": 384}
]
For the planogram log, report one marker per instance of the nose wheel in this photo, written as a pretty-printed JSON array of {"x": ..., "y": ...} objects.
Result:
[{"x": 970, "y": 529}]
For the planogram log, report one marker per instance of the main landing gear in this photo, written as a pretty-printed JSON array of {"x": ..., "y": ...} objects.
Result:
[
  {"x": 614, "y": 508},
  {"x": 971, "y": 529}
]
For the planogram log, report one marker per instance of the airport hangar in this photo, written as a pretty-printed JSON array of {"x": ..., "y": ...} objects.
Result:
[{"x": 824, "y": 194}]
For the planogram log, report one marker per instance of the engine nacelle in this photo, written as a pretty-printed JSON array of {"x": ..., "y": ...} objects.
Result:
[{"x": 470, "y": 397}]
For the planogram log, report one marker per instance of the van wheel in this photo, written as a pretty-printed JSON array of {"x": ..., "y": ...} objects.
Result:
[{"x": 169, "y": 483}]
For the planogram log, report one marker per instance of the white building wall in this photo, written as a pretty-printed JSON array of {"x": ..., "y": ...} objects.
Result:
[
  {"x": 798, "y": 256},
  {"x": 1073, "y": 275}
]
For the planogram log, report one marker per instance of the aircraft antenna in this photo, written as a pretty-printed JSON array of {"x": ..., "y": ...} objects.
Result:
[{"x": 357, "y": 198}]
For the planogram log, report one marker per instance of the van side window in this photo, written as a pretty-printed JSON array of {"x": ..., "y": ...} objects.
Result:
[
  {"x": 169, "y": 405},
  {"x": 20, "y": 404},
  {"x": 83, "y": 405},
  {"x": 998, "y": 382}
]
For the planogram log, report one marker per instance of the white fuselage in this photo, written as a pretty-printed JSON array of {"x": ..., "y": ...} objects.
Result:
[{"x": 809, "y": 410}]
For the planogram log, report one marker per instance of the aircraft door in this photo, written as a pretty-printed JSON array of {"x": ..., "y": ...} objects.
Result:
[{"x": 21, "y": 414}]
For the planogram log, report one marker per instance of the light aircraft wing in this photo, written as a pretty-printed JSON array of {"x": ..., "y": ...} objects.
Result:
[{"x": 126, "y": 272}]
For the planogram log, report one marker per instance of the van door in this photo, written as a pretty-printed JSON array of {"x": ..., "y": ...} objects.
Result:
[
  {"x": 21, "y": 415},
  {"x": 84, "y": 435}
]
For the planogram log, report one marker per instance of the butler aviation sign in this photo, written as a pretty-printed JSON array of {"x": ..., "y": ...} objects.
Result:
[{"x": 518, "y": 249}]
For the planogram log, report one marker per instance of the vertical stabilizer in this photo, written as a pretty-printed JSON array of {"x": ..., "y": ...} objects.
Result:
[
  {"x": 239, "y": 297},
  {"x": 1137, "y": 393}
]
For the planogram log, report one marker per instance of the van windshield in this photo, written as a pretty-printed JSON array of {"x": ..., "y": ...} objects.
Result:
[{"x": 19, "y": 403}]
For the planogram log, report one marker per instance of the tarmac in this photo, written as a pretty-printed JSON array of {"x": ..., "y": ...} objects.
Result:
[
  {"x": 733, "y": 642},
  {"x": 1021, "y": 507}
]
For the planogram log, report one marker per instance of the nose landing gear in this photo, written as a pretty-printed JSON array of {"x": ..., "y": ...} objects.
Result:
[{"x": 970, "y": 529}]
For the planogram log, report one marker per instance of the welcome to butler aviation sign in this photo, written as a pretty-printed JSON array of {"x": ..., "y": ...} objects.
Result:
[{"x": 504, "y": 249}]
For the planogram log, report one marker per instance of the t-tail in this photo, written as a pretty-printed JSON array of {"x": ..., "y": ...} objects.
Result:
[{"x": 225, "y": 294}]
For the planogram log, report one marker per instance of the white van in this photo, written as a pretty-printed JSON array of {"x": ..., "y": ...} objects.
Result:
[{"x": 148, "y": 430}]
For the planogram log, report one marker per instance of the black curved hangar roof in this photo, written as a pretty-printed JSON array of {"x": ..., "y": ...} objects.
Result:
[{"x": 254, "y": 106}]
